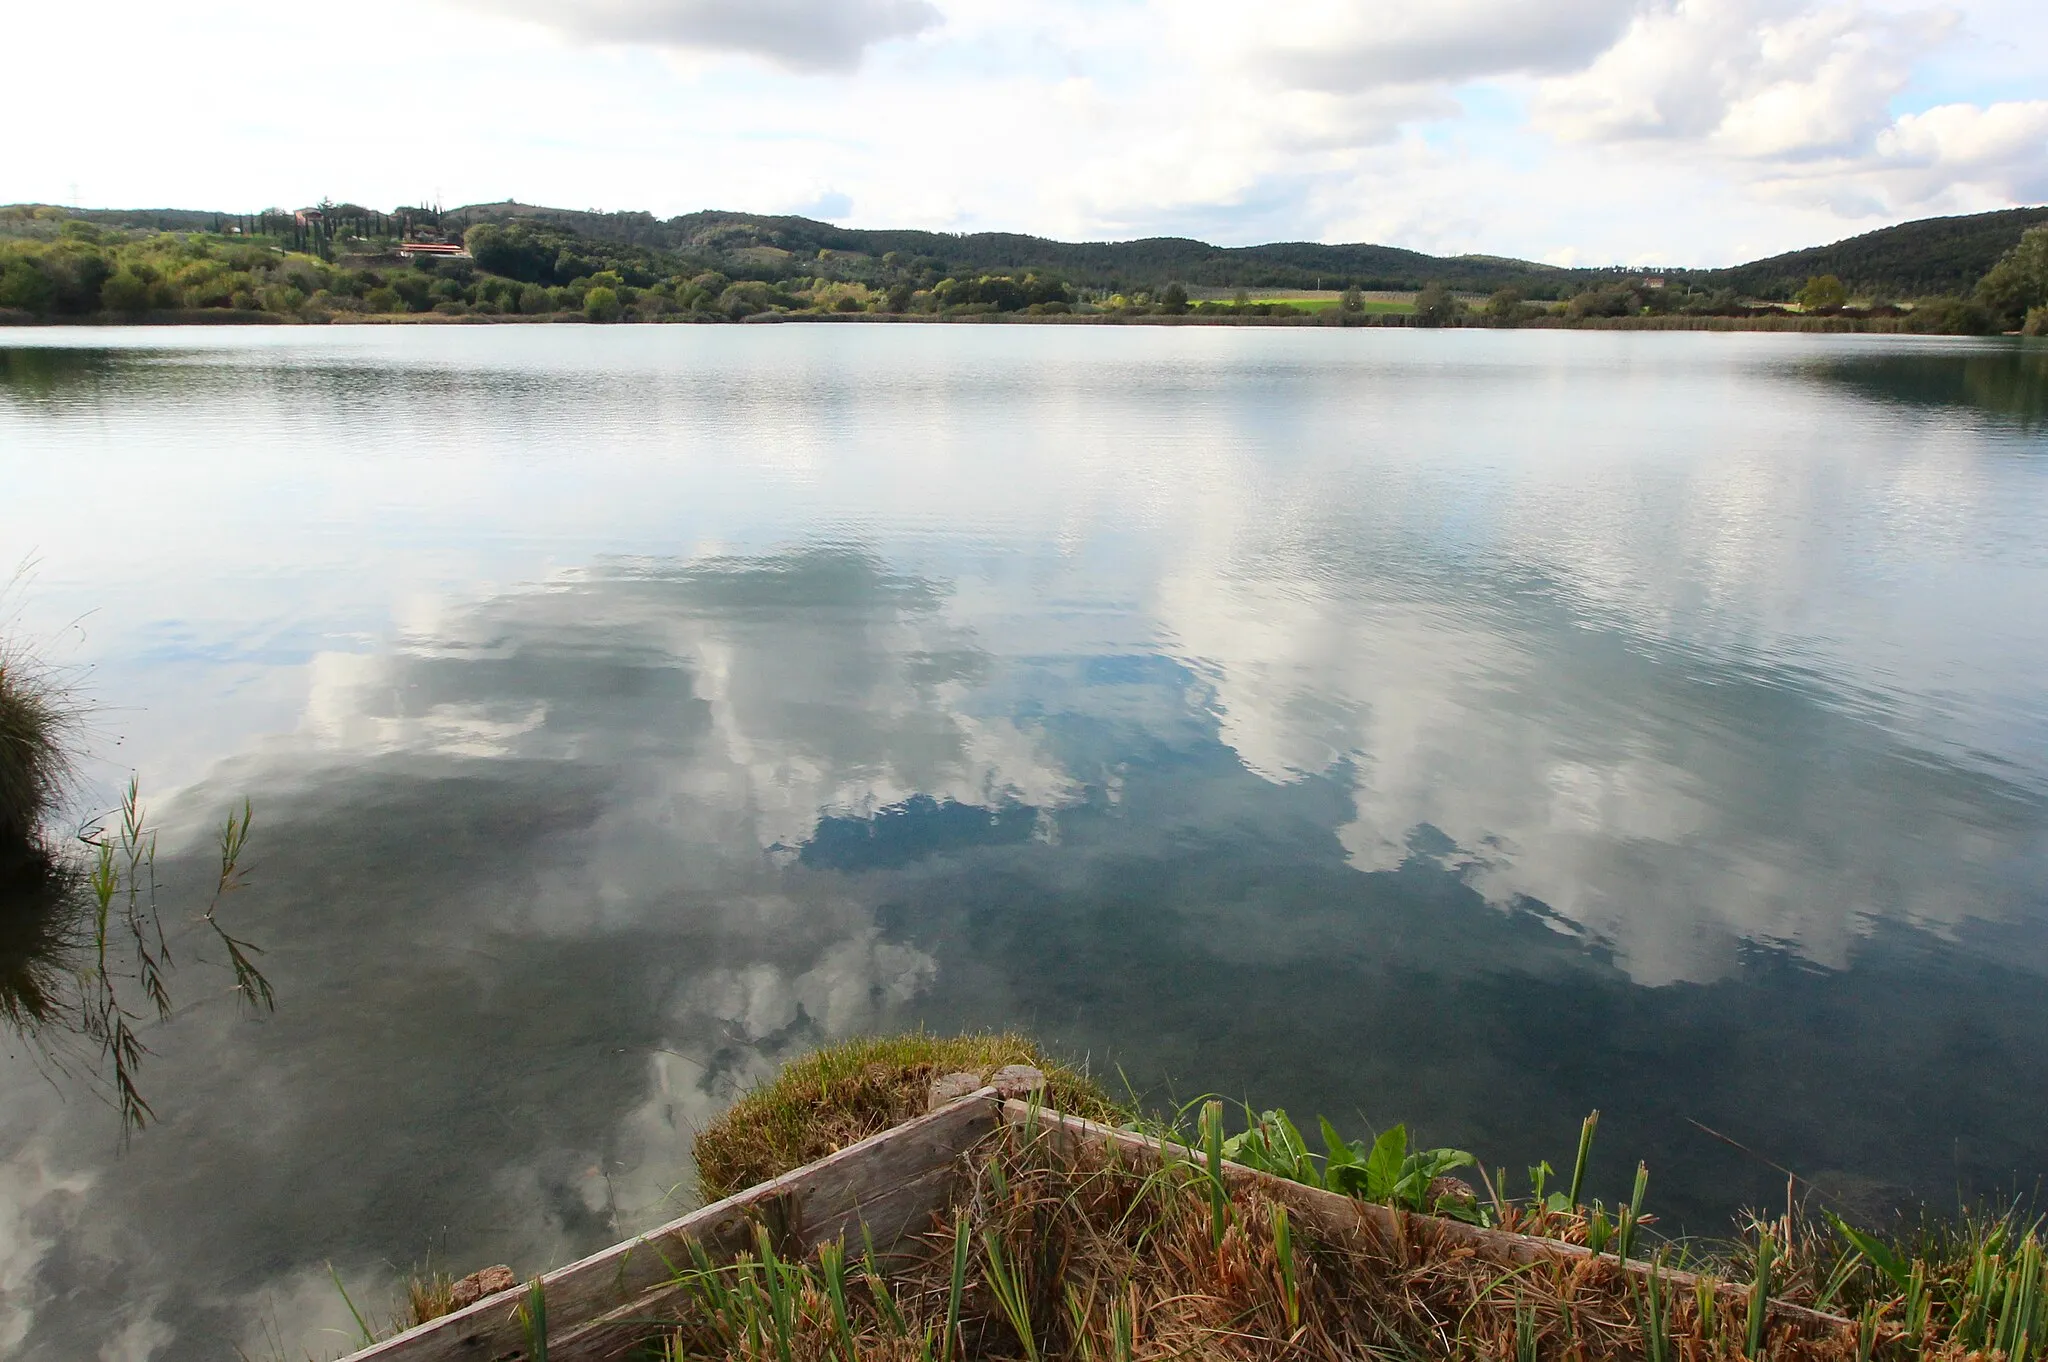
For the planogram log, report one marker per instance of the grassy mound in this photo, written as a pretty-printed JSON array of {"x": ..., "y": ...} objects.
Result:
[{"x": 829, "y": 1099}]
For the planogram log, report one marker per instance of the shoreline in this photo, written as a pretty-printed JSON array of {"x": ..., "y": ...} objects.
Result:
[{"x": 1819, "y": 325}]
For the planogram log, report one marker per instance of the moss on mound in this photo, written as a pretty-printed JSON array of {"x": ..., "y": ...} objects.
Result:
[{"x": 835, "y": 1096}]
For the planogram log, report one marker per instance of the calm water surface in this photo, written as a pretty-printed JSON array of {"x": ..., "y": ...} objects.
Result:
[{"x": 1468, "y": 729}]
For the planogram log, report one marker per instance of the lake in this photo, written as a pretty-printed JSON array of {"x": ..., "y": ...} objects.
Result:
[{"x": 1469, "y": 729}]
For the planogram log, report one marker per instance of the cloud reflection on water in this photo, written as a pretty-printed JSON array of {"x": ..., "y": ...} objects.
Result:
[
  {"x": 1363, "y": 729},
  {"x": 553, "y": 877}
]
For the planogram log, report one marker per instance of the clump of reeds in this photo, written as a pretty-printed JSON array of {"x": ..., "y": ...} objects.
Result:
[
  {"x": 36, "y": 719},
  {"x": 41, "y": 936},
  {"x": 833, "y": 1097}
]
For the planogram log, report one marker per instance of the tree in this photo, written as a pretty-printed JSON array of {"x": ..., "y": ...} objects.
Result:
[
  {"x": 1823, "y": 293},
  {"x": 898, "y": 300},
  {"x": 601, "y": 304},
  {"x": 24, "y": 286},
  {"x": 1240, "y": 299},
  {"x": 2018, "y": 283},
  {"x": 1353, "y": 300},
  {"x": 126, "y": 291},
  {"x": 1506, "y": 307},
  {"x": 1436, "y": 306},
  {"x": 1173, "y": 299}
]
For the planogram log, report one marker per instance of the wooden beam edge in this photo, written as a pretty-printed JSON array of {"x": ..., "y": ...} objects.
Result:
[{"x": 1385, "y": 1220}]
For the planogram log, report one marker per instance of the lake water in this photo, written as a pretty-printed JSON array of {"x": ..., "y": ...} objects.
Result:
[{"x": 1466, "y": 728}]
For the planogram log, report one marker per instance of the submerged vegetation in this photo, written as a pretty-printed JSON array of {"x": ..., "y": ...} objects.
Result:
[{"x": 85, "y": 957}]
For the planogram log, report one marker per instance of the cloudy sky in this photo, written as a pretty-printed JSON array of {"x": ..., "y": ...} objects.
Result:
[{"x": 1591, "y": 131}]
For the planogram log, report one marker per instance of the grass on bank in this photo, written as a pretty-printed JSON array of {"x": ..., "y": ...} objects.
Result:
[
  {"x": 1052, "y": 1253},
  {"x": 833, "y": 1097},
  {"x": 1052, "y": 1256}
]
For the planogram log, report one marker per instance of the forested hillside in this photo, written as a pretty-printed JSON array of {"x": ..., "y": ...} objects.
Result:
[
  {"x": 1951, "y": 274},
  {"x": 1912, "y": 260},
  {"x": 716, "y": 237}
]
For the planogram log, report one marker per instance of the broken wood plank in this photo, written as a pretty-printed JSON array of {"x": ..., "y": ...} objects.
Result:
[{"x": 893, "y": 1173}]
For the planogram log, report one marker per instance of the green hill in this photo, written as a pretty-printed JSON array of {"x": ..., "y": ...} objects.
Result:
[
  {"x": 555, "y": 246},
  {"x": 714, "y": 236},
  {"x": 1932, "y": 255}
]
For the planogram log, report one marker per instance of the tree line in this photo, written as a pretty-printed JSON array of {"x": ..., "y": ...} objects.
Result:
[{"x": 343, "y": 259}]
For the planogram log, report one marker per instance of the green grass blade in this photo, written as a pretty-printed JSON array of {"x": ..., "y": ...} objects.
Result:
[
  {"x": 357, "y": 1315},
  {"x": 1592, "y": 1123}
]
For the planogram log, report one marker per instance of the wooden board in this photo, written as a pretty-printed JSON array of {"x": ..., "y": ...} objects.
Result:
[
  {"x": 889, "y": 1186},
  {"x": 1341, "y": 1217},
  {"x": 890, "y": 1182}
]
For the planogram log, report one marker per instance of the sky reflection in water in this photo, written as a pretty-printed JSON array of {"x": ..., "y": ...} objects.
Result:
[{"x": 1467, "y": 729}]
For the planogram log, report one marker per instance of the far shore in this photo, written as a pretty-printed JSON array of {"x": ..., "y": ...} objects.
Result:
[{"x": 1792, "y": 322}]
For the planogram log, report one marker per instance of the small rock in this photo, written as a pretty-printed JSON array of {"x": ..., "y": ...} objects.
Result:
[
  {"x": 487, "y": 1281},
  {"x": 1456, "y": 1191},
  {"x": 1015, "y": 1080},
  {"x": 950, "y": 1088}
]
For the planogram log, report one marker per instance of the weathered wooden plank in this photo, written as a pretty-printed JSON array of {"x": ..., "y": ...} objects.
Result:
[
  {"x": 1336, "y": 1215},
  {"x": 893, "y": 1217},
  {"x": 827, "y": 1195}
]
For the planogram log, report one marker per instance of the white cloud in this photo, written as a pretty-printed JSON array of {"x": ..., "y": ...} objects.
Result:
[
  {"x": 1752, "y": 78},
  {"x": 1684, "y": 131},
  {"x": 1796, "y": 101},
  {"x": 1340, "y": 45},
  {"x": 804, "y": 35}
]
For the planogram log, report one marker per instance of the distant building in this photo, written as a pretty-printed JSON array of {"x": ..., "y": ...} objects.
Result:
[{"x": 433, "y": 250}]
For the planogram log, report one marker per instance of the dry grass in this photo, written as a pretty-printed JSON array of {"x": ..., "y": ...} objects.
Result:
[
  {"x": 1053, "y": 1253},
  {"x": 829, "y": 1099}
]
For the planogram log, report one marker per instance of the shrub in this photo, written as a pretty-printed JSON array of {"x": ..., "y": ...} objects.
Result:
[{"x": 1950, "y": 317}]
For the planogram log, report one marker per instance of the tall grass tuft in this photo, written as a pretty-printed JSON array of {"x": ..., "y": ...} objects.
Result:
[{"x": 37, "y": 720}]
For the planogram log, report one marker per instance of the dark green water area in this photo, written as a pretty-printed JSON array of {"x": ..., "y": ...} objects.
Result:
[{"x": 1464, "y": 729}]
